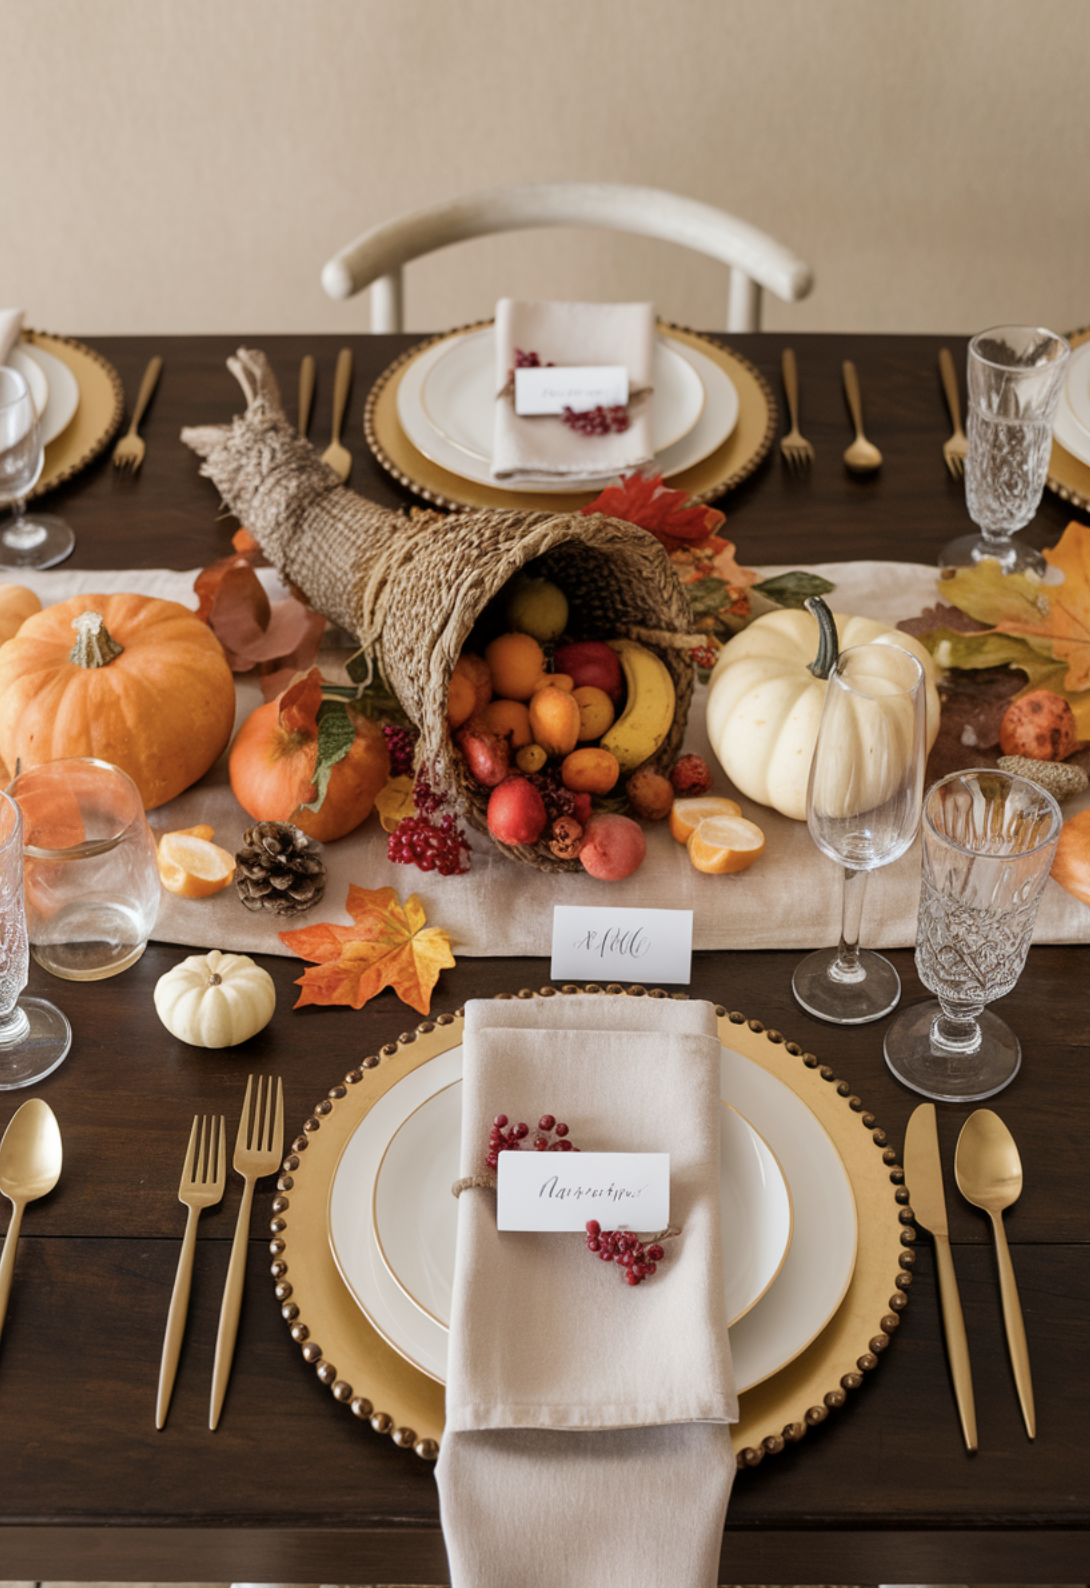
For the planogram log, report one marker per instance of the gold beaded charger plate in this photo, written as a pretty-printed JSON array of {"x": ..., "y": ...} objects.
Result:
[
  {"x": 364, "y": 1372},
  {"x": 1068, "y": 475},
  {"x": 726, "y": 466},
  {"x": 96, "y": 419}
]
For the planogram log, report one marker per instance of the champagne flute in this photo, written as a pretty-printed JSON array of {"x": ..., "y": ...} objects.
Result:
[
  {"x": 34, "y": 1036},
  {"x": 38, "y": 540},
  {"x": 863, "y": 808}
]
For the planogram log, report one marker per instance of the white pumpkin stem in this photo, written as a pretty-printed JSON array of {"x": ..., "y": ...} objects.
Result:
[
  {"x": 828, "y": 647},
  {"x": 94, "y": 647}
]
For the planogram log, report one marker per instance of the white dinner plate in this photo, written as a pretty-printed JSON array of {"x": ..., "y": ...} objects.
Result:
[
  {"x": 717, "y": 420},
  {"x": 810, "y": 1285},
  {"x": 1067, "y": 430},
  {"x": 415, "y": 1217},
  {"x": 1077, "y": 387},
  {"x": 63, "y": 391},
  {"x": 458, "y": 395},
  {"x": 34, "y": 375}
]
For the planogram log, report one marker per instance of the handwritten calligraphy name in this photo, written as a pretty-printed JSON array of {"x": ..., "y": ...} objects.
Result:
[{"x": 614, "y": 940}]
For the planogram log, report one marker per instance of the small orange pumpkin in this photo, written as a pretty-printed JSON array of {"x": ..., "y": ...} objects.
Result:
[
  {"x": 1071, "y": 867},
  {"x": 17, "y": 603},
  {"x": 274, "y": 761},
  {"x": 127, "y": 678}
]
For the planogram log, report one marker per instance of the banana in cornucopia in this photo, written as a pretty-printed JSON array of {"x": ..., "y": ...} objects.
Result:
[{"x": 411, "y": 587}]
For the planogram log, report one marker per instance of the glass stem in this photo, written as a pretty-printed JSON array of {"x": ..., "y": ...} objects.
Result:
[
  {"x": 17, "y": 534},
  {"x": 955, "y": 1028},
  {"x": 14, "y": 1027},
  {"x": 846, "y": 967}
]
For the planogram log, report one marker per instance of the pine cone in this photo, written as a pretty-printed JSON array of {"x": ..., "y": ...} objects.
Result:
[{"x": 279, "y": 868}]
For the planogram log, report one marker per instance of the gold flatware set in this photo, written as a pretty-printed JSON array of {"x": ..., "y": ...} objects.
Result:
[
  {"x": 336, "y": 454},
  {"x": 988, "y": 1172},
  {"x": 129, "y": 452},
  {"x": 30, "y": 1166}
]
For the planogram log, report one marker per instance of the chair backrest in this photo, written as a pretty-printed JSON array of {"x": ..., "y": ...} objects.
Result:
[{"x": 756, "y": 260}]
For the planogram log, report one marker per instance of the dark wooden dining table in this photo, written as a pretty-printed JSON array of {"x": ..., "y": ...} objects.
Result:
[{"x": 291, "y": 1487}]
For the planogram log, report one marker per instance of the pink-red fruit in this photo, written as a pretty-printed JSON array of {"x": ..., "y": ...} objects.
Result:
[
  {"x": 516, "y": 812},
  {"x": 691, "y": 776},
  {"x": 594, "y": 663},
  {"x": 488, "y": 755},
  {"x": 613, "y": 847}
]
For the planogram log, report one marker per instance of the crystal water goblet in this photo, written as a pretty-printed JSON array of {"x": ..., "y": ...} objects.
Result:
[
  {"x": 988, "y": 843},
  {"x": 863, "y": 809},
  {"x": 35, "y": 540},
  {"x": 34, "y": 1036},
  {"x": 1015, "y": 376}
]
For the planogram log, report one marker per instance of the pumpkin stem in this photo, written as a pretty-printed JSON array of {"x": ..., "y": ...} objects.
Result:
[
  {"x": 828, "y": 648},
  {"x": 214, "y": 980},
  {"x": 94, "y": 646}
]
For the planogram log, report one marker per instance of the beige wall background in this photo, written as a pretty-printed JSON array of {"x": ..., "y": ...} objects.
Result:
[{"x": 188, "y": 165}]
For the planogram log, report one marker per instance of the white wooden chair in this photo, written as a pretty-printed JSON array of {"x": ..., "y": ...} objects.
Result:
[{"x": 755, "y": 259}]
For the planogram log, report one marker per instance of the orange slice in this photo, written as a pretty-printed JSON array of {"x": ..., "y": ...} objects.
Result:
[
  {"x": 191, "y": 866},
  {"x": 686, "y": 815},
  {"x": 723, "y": 844}
]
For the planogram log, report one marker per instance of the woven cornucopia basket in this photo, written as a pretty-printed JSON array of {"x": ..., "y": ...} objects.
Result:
[{"x": 411, "y": 587}]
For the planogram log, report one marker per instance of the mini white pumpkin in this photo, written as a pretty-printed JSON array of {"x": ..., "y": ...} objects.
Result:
[
  {"x": 766, "y": 693},
  {"x": 215, "y": 1000}
]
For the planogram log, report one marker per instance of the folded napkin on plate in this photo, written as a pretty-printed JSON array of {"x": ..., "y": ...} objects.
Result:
[
  {"x": 544, "y": 448},
  {"x": 587, "y": 1438},
  {"x": 11, "y": 323}
]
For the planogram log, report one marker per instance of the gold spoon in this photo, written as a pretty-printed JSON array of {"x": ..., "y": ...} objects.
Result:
[
  {"x": 989, "y": 1175},
  {"x": 337, "y": 456},
  {"x": 30, "y": 1165},
  {"x": 862, "y": 457}
]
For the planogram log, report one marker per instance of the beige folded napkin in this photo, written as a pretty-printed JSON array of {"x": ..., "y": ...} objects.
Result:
[
  {"x": 587, "y": 1432},
  {"x": 11, "y": 323},
  {"x": 544, "y": 448}
]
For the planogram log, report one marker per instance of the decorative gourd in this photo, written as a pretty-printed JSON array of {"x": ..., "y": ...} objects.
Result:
[
  {"x": 132, "y": 680},
  {"x": 275, "y": 759},
  {"x": 16, "y": 605},
  {"x": 215, "y": 1000},
  {"x": 767, "y": 690},
  {"x": 1071, "y": 867}
]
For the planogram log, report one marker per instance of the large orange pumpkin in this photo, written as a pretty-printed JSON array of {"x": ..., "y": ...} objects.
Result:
[
  {"x": 274, "y": 761},
  {"x": 17, "y": 603},
  {"x": 133, "y": 680}
]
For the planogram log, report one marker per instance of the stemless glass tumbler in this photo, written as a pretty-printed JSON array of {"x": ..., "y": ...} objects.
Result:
[
  {"x": 34, "y": 1037},
  {"x": 988, "y": 843},
  {"x": 863, "y": 809},
  {"x": 92, "y": 882},
  {"x": 1016, "y": 373}
]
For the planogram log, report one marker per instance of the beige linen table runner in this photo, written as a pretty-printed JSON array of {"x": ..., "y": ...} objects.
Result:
[
  {"x": 544, "y": 448},
  {"x": 587, "y": 1432}
]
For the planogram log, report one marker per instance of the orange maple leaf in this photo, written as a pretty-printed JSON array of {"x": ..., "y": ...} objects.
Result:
[
  {"x": 1066, "y": 628},
  {"x": 389, "y": 946}
]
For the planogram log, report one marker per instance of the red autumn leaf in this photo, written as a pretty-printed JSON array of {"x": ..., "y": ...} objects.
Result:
[
  {"x": 387, "y": 946},
  {"x": 644, "y": 500},
  {"x": 299, "y": 706}
]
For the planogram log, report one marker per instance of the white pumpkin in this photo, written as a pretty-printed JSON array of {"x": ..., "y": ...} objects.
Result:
[
  {"x": 215, "y": 1000},
  {"x": 764, "y": 703}
]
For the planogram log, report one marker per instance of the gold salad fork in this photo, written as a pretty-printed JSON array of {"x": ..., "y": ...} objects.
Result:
[
  {"x": 204, "y": 1175},
  {"x": 798, "y": 454},
  {"x": 955, "y": 449},
  {"x": 258, "y": 1150},
  {"x": 129, "y": 452}
]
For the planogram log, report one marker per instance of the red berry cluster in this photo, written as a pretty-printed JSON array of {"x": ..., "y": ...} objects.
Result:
[
  {"x": 528, "y": 361},
  {"x": 417, "y": 842},
  {"x": 705, "y": 657},
  {"x": 621, "y": 1246},
  {"x": 596, "y": 421},
  {"x": 401, "y": 743},
  {"x": 502, "y": 1139}
]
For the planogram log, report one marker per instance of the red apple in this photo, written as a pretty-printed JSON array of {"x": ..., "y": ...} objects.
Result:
[{"x": 592, "y": 662}]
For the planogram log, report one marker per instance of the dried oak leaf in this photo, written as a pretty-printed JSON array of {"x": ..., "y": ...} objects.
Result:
[
  {"x": 388, "y": 946},
  {"x": 941, "y": 617},
  {"x": 279, "y": 638},
  {"x": 644, "y": 500}
]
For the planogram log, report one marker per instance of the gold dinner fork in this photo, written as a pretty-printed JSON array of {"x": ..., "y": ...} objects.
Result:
[
  {"x": 258, "y": 1149},
  {"x": 798, "y": 454},
  {"x": 954, "y": 450},
  {"x": 204, "y": 1175},
  {"x": 129, "y": 452}
]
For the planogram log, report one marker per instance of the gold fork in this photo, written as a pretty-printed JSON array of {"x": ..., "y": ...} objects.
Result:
[
  {"x": 798, "y": 454},
  {"x": 258, "y": 1149},
  {"x": 204, "y": 1175},
  {"x": 954, "y": 450},
  {"x": 129, "y": 452}
]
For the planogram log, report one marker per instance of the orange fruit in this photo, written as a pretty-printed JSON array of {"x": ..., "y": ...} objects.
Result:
[
  {"x": 193, "y": 867},
  {"x": 554, "y": 721},
  {"x": 596, "y": 711},
  {"x": 687, "y": 814},
  {"x": 508, "y": 717},
  {"x": 724, "y": 844},
  {"x": 462, "y": 699},
  {"x": 516, "y": 662}
]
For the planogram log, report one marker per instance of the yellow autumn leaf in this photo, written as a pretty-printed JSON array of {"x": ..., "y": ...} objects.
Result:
[{"x": 394, "y": 802}]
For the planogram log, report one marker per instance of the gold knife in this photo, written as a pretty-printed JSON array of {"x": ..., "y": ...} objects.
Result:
[
  {"x": 923, "y": 1174},
  {"x": 306, "y": 392}
]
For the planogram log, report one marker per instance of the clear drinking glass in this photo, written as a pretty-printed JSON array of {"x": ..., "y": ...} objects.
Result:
[
  {"x": 34, "y": 1037},
  {"x": 1016, "y": 373},
  {"x": 36, "y": 540},
  {"x": 988, "y": 843},
  {"x": 92, "y": 881},
  {"x": 863, "y": 809}
]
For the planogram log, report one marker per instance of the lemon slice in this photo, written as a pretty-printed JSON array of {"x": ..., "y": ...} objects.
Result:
[
  {"x": 686, "y": 815},
  {"x": 723, "y": 844},
  {"x": 192, "y": 866}
]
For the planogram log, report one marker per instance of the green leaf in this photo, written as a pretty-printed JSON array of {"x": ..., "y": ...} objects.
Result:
[
  {"x": 970, "y": 651},
  {"x": 336, "y": 735},
  {"x": 793, "y": 589},
  {"x": 991, "y": 596}
]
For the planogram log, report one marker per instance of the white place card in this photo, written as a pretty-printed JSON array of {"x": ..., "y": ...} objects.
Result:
[
  {"x": 578, "y": 387},
  {"x": 562, "y": 1190},
  {"x": 593, "y": 943}
]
